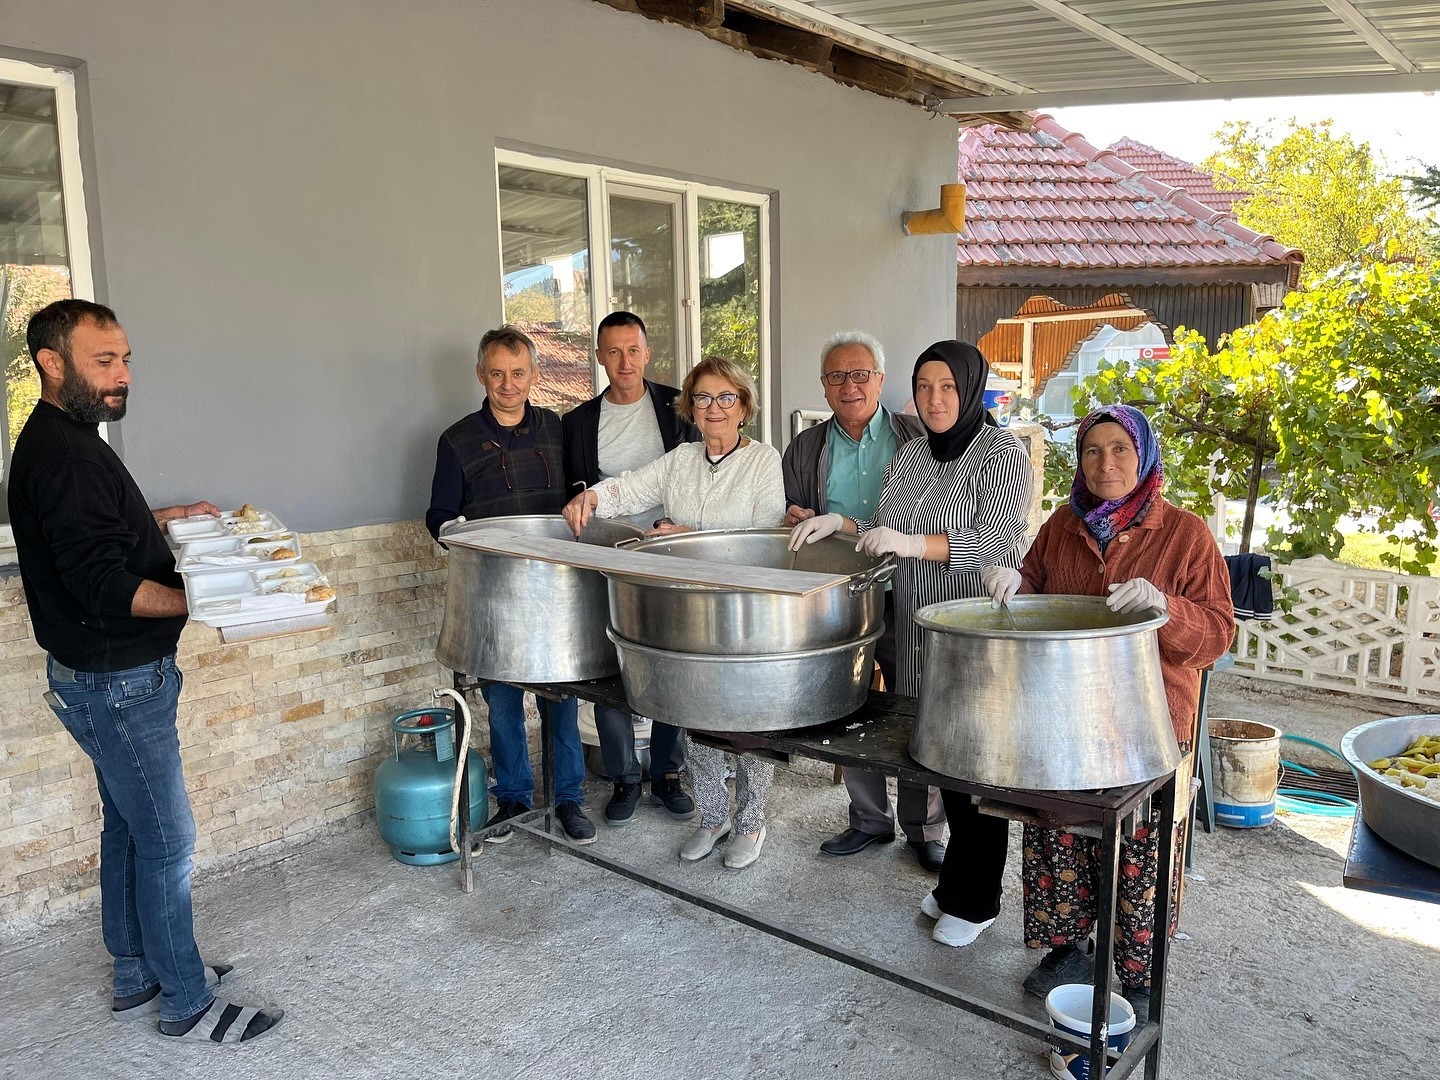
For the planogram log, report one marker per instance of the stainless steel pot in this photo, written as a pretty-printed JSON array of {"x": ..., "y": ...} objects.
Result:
[
  {"x": 1057, "y": 693},
  {"x": 695, "y": 619},
  {"x": 526, "y": 620},
  {"x": 769, "y": 692},
  {"x": 1405, "y": 818}
]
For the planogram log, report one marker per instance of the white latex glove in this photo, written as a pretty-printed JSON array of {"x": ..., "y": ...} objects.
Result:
[
  {"x": 454, "y": 522},
  {"x": 1137, "y": 594},
  {"x": 815, "y": 528},
  {"x": 1001, "y": 582},
  {"x": 883, "y": 541}
]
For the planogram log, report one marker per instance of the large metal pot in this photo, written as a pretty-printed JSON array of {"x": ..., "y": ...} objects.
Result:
[
  {"x": 1055, "y": 693},
  {"x": 1405, "y": 818},
  {"x": 769, "y": 692},
  {"x": 526, "y": 620},
  {"x": 688, "y": 618}
]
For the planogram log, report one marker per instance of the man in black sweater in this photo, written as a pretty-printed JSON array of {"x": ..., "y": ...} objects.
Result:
[
  {"x": 631, "y": 424},
  {"x": 108, "y": 607}
]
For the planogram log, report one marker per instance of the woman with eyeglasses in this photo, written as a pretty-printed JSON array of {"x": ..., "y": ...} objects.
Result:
[
  {"x": 952, "y": 504},
  {"x": 726, "y": 481}
]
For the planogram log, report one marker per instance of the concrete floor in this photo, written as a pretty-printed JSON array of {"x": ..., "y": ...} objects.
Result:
[{"x": 553, "y": 968}]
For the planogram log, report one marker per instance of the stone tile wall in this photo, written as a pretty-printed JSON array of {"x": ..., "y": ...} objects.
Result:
[{"x": 279, "y": 737}]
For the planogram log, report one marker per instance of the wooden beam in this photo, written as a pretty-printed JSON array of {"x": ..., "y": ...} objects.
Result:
[
  {"x": 707, "y": 13},
  {"x": 788, "y": 42},
  {"x": 870, "y": 74}
]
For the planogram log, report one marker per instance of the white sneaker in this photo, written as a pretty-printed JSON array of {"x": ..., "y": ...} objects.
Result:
[
  {"x": 929, "y": 908},
  {"x": 956, "y": 932}
]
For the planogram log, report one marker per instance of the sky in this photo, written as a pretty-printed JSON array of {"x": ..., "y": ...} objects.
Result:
[{"x": 1401, "y": 127}]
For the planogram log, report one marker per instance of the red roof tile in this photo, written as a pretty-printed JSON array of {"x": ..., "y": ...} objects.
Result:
[
  {"x": 1049, "y": 198},
  {"x": 1170, "y": 170},
  {"x": 566, "y": 377}
]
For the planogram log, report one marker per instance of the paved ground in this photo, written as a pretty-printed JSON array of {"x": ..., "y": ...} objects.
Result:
[{"x": 556, "y": 969}]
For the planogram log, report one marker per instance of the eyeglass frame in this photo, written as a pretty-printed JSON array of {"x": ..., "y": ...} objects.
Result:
[
  {"x": 828, "y": 377},
  {"x": 702, "y": 401},
  {"x": 505, "y": 456}
]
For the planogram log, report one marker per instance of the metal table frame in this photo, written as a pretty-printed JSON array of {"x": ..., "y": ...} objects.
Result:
[{"x": 874, "y": 738}]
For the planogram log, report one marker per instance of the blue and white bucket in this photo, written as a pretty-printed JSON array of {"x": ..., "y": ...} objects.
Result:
[
  {"x": 1244, "y": 772},
  {"x": 1068, "y": 1007}
]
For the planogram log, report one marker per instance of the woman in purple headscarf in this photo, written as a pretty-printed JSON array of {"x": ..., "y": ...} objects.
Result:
[{"x": 1118, "y": 538}]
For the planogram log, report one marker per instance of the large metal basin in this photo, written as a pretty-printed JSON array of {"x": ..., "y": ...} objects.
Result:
[
  {"x": 770, "y": 692},
  {"x": 526, "y": 620},
  {"x": 696, "y": 619},
  {"x": 1057, "y": 693},
  {"x": 1408, "y": 820}
]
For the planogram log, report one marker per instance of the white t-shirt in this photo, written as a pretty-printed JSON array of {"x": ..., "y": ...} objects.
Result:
[{"x": 629, "y": 438}]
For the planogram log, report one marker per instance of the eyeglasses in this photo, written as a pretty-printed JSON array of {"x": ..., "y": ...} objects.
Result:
[
  {"x": 725, "y": 401},
  {"x": 837, "y": 378}
]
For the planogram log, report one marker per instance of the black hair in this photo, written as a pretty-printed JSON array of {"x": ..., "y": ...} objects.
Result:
[
  {"x": 620, "y": 318},
  {"x": 52, "y": 325}
]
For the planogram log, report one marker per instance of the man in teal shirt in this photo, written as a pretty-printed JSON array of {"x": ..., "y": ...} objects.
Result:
[{"x": 838, "y": 467}]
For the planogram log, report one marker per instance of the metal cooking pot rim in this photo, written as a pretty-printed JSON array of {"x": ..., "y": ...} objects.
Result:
[
  {"x": 737, "y": 658},
  {"x": 926, "y": 621},
  {"x": 874, "y": 571},
  {"x": 1347, "y": 748}
]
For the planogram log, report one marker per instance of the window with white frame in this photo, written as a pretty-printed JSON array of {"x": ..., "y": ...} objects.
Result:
[
  {"x": 1107, "y": 343},
  {"x": 44, "y": 252},
  {"x": 692, "y": 260}
]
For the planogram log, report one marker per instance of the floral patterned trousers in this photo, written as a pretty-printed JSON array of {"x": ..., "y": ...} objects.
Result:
[{"x": 1060, "y": 873}]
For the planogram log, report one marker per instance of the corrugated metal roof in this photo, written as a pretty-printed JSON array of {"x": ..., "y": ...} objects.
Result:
[
  {"x": 1048, "y": 198},
  {"x": 1095, "y": 51}
]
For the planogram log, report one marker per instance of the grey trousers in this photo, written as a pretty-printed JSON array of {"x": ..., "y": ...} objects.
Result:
[{"x": 922, "y": 813}]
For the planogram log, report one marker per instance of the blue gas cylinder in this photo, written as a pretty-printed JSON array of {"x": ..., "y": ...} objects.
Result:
[{"x": 415, "y": 787}]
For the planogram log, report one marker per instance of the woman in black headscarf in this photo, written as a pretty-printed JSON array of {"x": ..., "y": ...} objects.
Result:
[{"x": 952, "y": 504}]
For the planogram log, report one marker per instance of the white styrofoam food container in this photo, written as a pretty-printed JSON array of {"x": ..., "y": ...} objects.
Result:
[
  {"x": 255, "y": 550},
  {"x": 204, "y": 527},
  {"x": 218, "y": 599}
]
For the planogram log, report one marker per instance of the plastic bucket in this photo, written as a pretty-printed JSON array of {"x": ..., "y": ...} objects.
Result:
[
  {"x": 1068, "y": 1007},
  {"x": 1000, "y": 397},
  {"x": 1244, "y": 772}
]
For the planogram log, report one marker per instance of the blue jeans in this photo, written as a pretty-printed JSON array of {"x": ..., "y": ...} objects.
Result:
[
  {"x": 125, "y": 723},
  {"x": 510, "y": 756}
]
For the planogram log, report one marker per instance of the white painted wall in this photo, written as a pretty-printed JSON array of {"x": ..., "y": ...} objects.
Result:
[{"x": 296, "y": 214}]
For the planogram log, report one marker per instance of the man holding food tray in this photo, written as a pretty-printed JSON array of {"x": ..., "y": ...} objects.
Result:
[
  {"x": 507, "y": 458},
  {"x": 629, "y": 425},
  {"x": 106, "y": 604}
]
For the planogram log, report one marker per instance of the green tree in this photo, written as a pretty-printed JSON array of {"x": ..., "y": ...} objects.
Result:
[
  {"x": 1425, "y": 187},
  {"x": 24, "y": 290},
  {"x": 1318, "y": 191},
  {"x": 1330, "y": 404}
]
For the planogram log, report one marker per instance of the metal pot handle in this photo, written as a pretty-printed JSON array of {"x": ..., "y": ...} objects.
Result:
[
  {"x": 876, "y": 575},
  {"x": 628, "y": 541}
]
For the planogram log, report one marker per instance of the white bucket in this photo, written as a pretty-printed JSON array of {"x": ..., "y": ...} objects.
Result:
[{"x": 1068, "y": 1007}]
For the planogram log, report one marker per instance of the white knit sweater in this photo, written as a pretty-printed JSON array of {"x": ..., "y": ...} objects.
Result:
[{"x": 747, "y": 491}]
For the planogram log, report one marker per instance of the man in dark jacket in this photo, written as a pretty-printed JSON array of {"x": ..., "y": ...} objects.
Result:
[
  {"x": 107, "y": 605},
  {"x": 839, "y": 466},
  {"x": 631, "y": 424},
  {"x": 504, "y": 459}
]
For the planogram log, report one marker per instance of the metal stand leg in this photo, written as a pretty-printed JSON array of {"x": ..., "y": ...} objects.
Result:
[
  {"x": 1160, "y": 931},
  {"x": 462, "y": 831},
  {"x": 547, "y": 766},
  {"x": 1104, "y": 943}
]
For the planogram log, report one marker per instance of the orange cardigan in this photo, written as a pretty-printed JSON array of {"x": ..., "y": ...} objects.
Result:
[{"x": 1171, "y": 548}]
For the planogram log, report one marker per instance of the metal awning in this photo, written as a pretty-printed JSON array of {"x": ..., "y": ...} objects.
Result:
[{"x": 993, "y": 59}]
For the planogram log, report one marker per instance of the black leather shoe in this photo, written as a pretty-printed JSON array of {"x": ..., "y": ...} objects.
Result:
[
  {"x": 931, "y": 854},
  {"x": 852, "y": 840},
  {"x": 1139, "y": 999},
  {"x": 621, "y": 807},
  {"x": 1062, "y": 965},
  {"x": 667, "y": 793}
]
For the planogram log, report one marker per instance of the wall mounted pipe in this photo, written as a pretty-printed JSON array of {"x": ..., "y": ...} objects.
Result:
[{"x": 949, "y": 218}]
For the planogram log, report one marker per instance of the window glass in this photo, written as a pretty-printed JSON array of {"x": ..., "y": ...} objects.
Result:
[
  {"x": 34, "y": 257},
  {"x": 545, "y": 251},
  {"x": 730, "y": 288}
]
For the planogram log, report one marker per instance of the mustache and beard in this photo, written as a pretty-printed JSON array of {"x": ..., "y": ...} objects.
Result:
[{"x": 87, "y": 403}]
